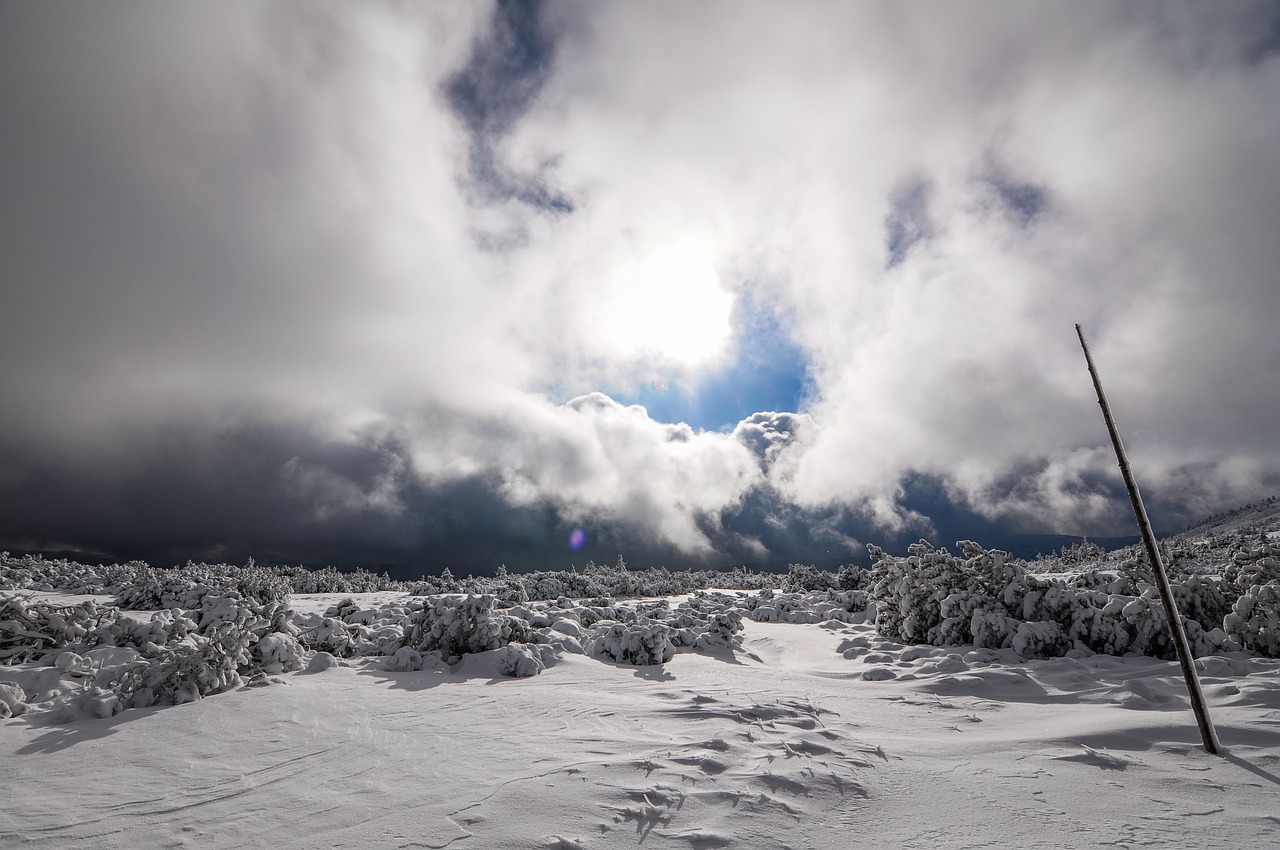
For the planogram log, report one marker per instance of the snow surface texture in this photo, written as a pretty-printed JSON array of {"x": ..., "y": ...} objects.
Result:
[{"x": 807, "y": 736}]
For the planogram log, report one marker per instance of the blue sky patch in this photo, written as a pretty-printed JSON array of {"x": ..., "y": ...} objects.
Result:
[{"x": 768, "y": 372}]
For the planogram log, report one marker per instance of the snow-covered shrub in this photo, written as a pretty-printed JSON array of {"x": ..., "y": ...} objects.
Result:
[
  {"x": 277, "y": 653},
  {"x": 704, "y": 621},
  {"x": 379, "y": 640},
  {"x": 1040, "y": 639},
  {"x": 1206, "y": 600},
  {"x": 1254, "y": 621},
  {"x": 403, "y": 660},
  {"x": 536, "y": 616},
  {"x": 320, "y": 662},
  {"x": 142, "y": 593},
  {"x": 147, "y": 588},
  {"x": 29, "y": 629},
  {"x": 12, "y": 700},
  {"x": 187, "y": 671},
  {"x": 507, "y": 590},
  {"x": 988, "y": 599},
  {"x": 329, "y": 635},
  {"x": 795, "y": 608},
  {"x": 332, "y": 580},
  {"x": 804, "y": 577},
  {"x": 722, "y": 630},
  {"x": 1083, "y": 552},
  {"x": 186, "y": 655},
  {"x": 521, "y": 660},
  {"x": 545, "y": 587},
  {"x": 433, "y": 585},
  {"x": 458, "y": 625},
  {"x": 261, "y": 585},
  {"x": 850, "y": 577},
  {"x": 92, "y": 702},
  {"x": 639, "y": 643},
  {"x": 911, "y": 591},
  {"x": 73, "y": 664},
  {"x": 164, "y": 627},
  {"x": 343, "y": 609},
  {"x": 1254, "y": 565},
  {"x": 990, "y": 627},
  {"x": 589, "y": 615}
]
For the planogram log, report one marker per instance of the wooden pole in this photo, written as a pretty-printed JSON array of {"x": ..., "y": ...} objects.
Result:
[{"x": 1207, "y": 733}]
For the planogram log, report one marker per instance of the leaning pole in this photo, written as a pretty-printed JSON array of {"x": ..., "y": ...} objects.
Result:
[{"x": 1207, "y": 733}]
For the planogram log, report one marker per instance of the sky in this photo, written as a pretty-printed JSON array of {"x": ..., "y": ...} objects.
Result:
[{"x": 427, "y": 285}]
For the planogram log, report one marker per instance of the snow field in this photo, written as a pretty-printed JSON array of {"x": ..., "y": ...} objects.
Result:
[
  {"x": 783, "y": 743},
  {"x": 938, "y": 700}
]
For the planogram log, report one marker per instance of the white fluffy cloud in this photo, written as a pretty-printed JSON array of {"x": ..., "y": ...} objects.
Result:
[
  {"x": 276, "y": 210},
  {"x": 1042, "y": 165}
]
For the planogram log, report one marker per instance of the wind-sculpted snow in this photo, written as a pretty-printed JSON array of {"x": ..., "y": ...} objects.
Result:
[{"x": 823, "y": 736}]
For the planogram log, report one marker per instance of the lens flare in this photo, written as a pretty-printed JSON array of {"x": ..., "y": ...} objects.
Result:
[{"x": 577, "y": 538}]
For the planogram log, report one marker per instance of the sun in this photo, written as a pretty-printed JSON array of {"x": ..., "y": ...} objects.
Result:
[{"x": 672, "y": 305}]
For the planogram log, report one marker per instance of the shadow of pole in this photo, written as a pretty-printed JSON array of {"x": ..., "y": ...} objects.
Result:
[{"x": 1252, "y": 768}]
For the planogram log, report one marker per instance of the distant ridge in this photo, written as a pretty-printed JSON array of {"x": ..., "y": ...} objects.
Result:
[{"x": 1262, "y": 516}]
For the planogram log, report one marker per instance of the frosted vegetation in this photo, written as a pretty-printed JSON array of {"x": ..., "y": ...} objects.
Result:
[{"x": 143, "y": 636}]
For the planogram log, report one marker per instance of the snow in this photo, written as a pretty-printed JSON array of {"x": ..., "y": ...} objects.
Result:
[{"x": 806, "y": 735}]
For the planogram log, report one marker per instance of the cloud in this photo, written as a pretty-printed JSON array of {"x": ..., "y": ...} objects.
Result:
[
  {"x": 311, "y": 275},
  {"x": 944, "y": 195}
]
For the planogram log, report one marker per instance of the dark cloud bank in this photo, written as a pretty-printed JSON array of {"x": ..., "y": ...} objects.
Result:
[{"x": 285, "y": 495}]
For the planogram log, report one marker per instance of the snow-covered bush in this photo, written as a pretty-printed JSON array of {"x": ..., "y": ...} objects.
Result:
[
  {"x": 403, "y": 660},
  {"x": 722, "y": 630},
  {"x": 704, "y": 621},
  {"x": 911, "y": 592},
  {"x": 12, "y": 700},
  {"x": 1254, "y": 565},
  {"x": 521, "y": 660},
  {"x": 801, "y": 578},
  {"x": 146, "y": 588},
  {"x": 329, "y": 635},
  {"x": 277, "y": 653},
  {"x": 793, "y": 607},
  {"x": 333, "y": 580},
  {"x": 164, "y": 627},
  {"x": 183, "y": 672},
  {"x": 458, "y": 625},
  {"x": 987, "y": 599},
  {"x": 343, "y": 609},
  {"x": 1254, "y": 621},
  {"x": 1040, "y": 639},
  {"x": 850, "y": 577},
  {"x": 29, "y": 629},
  {"x": 639, "y": 643}
]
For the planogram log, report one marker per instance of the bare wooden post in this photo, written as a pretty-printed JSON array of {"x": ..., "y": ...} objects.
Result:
[{"x": 1207, "y": 733}]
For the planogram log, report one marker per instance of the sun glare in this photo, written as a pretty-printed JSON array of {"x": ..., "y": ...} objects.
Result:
[{"x": 671, "y": 304}]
